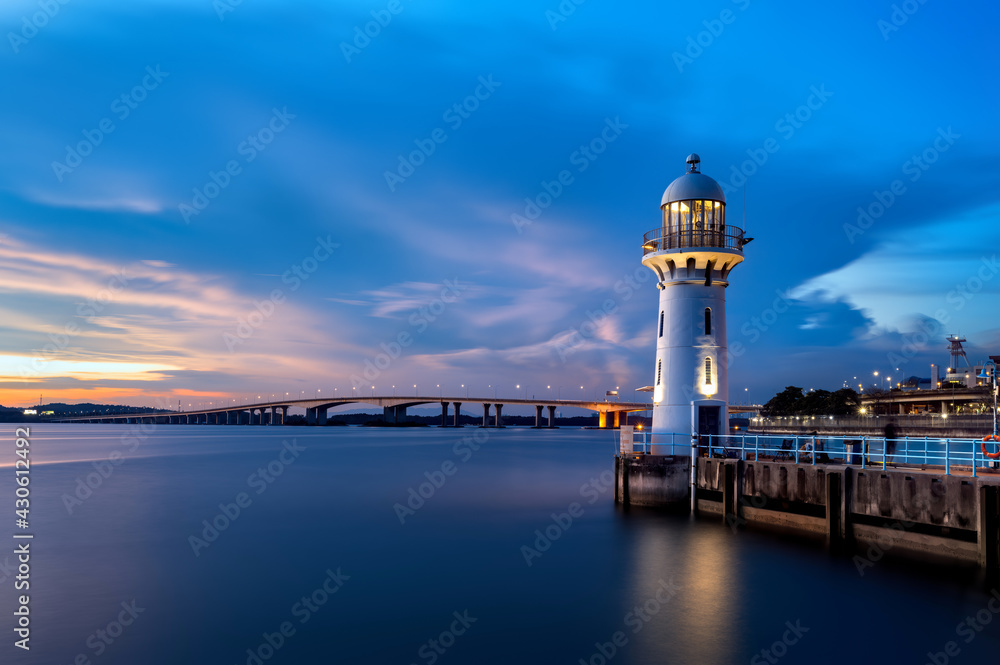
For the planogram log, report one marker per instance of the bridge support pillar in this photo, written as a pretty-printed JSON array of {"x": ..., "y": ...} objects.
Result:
[
  {"x": 538, "y": 416},
  {"x": 389, "y": 414},
  {"x": 265, "y": 416},
  {"x": 486, "y": 415},
  {"x": 902, "y": 409},
  {"x": 499, "y": 415},
  {"x": 602, "y": 419},
  {"x": 311, "y": 416},
  {"x": 278, "y": 418},
  {"x": 444, "y": 414},
  {"x": 552, "y": 417},
  {"x": 321, "y": 416},
  {"x": 618, "y": 417},
  {"x": 458, "y": 412}
]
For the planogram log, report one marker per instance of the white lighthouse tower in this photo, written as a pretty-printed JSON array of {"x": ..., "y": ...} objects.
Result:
[{"x": 692, "y": 253}]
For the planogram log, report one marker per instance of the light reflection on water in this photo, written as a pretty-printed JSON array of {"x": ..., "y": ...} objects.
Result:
[{"x": 332, "y": 507}]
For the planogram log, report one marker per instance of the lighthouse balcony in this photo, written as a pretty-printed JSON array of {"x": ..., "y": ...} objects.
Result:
[{"x": 724, "y": 237}]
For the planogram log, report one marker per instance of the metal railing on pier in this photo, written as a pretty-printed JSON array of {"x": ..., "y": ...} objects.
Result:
[{"x": 863, "y": 451}]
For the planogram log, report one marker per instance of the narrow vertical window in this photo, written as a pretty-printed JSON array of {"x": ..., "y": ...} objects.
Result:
[
  {"x": 708, "y": 371},
  {"x": 659, "y": 371},
  {"x": 708, "y": 320},
  {"x": 661, "y": 324}
]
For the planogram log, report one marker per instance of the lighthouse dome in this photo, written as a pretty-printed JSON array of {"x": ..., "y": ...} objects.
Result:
[{"x": 693, "y": 185}]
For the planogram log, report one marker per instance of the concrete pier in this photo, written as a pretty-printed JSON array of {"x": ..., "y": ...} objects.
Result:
[{"x": 913, "y": 512}]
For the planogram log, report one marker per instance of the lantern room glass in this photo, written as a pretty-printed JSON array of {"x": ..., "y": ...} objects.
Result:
[{"x": 694, "y": 223}]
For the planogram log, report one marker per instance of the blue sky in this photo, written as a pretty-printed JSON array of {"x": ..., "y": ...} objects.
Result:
[{"x": 236, "y": 231}]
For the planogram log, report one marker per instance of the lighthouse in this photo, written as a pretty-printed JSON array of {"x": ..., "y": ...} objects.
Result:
[{"x": 692, "y": 252}]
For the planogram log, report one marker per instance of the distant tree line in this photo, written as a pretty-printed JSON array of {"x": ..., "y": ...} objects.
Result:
[{"x": 792, "y": 401}]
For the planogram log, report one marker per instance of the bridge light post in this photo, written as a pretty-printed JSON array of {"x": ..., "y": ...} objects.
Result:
[
  {"x": 373, "y": 391},
  {"x": 439, "y": 390},
  {"x": 416, "y": 391}
]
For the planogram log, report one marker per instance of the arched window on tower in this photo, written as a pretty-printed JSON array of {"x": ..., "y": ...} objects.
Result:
[
  {"x": 708, "y": 371},
  {"x": 708, "y": 320},
  {"x": 661, "y": 324}
]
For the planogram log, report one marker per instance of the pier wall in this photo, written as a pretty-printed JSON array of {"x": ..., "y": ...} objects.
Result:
[{"x": 911, "y": 511}]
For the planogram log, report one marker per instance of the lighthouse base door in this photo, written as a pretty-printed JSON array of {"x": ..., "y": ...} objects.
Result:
[{"x": 708, "y": 425}]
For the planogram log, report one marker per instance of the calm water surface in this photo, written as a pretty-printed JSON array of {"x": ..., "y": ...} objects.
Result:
[{"x": 674, "y": 590}]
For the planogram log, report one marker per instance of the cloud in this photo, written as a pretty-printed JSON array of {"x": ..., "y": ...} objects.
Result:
[
  {"x": 935, "y": 272},
  {"x": 94, "y": 320}
]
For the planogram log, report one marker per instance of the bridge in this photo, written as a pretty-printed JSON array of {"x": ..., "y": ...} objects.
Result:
[{"x": 393, "y": 409}]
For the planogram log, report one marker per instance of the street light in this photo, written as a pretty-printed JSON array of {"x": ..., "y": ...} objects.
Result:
[{"x": 984, "y": 375}]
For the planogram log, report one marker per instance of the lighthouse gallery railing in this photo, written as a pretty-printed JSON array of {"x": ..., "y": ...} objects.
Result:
[{"x": 722, "y": 237}]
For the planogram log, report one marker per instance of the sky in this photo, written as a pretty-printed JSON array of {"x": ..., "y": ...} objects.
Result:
[{"x": 206, "y": 200}]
